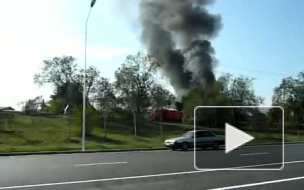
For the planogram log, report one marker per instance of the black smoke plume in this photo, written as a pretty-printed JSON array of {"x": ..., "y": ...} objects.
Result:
[{"x": 177, "y": 33}]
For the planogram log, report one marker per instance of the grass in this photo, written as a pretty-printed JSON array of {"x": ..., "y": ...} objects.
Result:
[
  {"x": 34, "y": 134},
  {"x": 259, "y": 136}
]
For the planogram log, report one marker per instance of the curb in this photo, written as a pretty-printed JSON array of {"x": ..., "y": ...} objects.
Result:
[
  {"x": 115, "y": 150},
  {"x": 277, "y": 143},
  {"x": 79, "y": 151}
]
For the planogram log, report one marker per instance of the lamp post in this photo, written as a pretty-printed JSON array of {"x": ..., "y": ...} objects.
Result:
[{"x": 84, "y": 80}]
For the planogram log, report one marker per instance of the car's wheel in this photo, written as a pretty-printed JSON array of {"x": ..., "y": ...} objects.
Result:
[
  {"x": 173, "y": 148},
  {"x": 185, "y": 146},
  {"x": 215, "y": 145}
]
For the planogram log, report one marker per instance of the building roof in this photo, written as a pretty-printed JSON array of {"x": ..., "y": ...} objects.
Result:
[{"x": 7, "y": 109}]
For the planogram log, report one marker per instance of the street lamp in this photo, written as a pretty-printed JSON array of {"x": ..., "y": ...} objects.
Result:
[
  {"x": 93, "y": 3},
  {"x": 84, "y": 79}
]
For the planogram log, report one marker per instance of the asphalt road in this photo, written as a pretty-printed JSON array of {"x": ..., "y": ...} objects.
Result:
[{"x": 154, "y": 170}]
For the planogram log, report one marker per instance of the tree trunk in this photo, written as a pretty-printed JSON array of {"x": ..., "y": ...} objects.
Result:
[
  {"x": 215, "y": 118},
  {"x": 235, "y": 116},
  {"x": 197, "y": 120},
  {"x": 134, "y": 121},
  {"x": 105, "y": 124},
  {"x": 69, "y": 127},
  {"x": 160, "y": 126}
]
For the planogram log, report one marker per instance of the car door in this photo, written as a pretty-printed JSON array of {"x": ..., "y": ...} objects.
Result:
[
  {"x": 191, "y": 140},
  {"x": 199, "y": 140},
  {"x": 208, "y": 138}
]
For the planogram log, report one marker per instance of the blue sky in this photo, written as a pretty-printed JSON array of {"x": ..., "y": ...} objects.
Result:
[{"x": 259, "y": 39}]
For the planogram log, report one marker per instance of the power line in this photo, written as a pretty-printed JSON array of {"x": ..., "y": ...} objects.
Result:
[
  {"x": 256, "y": 71},
  {"x": 75, "y": 33},
  {"x": 244, "y": 69}
]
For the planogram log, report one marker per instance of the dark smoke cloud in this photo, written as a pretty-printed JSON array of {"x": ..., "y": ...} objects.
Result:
[{"x": 177, "y": 33}]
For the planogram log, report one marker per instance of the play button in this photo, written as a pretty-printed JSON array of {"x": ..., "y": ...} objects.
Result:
[
  {"x": 268, "y": 144},
  {"x": 235, "y": 138}
]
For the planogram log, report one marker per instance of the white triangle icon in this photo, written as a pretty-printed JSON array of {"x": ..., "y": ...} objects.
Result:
[{"x": 235, "y": 138}]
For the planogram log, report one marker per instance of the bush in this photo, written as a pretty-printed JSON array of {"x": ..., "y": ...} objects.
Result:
[{"x": 92, "y": 119}]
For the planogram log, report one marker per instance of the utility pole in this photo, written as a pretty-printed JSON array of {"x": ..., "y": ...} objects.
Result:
[{"x": 84, "y": 80}]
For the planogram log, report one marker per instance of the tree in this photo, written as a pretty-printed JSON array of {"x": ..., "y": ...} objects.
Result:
[
  {"x": 63, "y": 74},
  {"x": 67, "y": 94},
  {"x": 238, "y": 91},
  {"x": 160, "y": 99},
  {"x": 274, "y": 116},
  {"x": 92, "y": 76},
  {"x": 289, "y": 94},
  {"x": 57, "y": 71},
  {"x": 43, "y": 106},
  {"x": 133, "y": 83},
  {"x": 206, "y": 97},
  {"x": 105, "y": 98}
]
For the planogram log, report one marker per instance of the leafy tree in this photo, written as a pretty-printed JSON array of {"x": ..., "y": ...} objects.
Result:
[
  {"x": 92, "y": 119},
  {"x": 56, "y": 106},
  {"x": 105, "y": 98},
  {"x": 161, "y": 97},
  {"x": 92, "y": 76},
  {"x": 274, "y": 116},
  {"x": 57, "y": 71},
  {"x": 63, "y": 74},
  {"x": 204, "y": 97},
  {"x": 43, "y": 106},
  {"x": 66, "y": 94},
  {"x": 133, "y": 83},
  {"x": 226, "y": 91},
  {"x": 289, "y": 94},
  {"x": 238, "y": 91}
]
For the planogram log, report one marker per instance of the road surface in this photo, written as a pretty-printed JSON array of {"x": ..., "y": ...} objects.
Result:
[{"x": 153, "y": 170}]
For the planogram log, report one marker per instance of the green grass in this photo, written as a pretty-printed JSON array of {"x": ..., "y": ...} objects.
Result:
[
  {"x": 259, "y": 136},
  {"x": 35, "y": 134}
]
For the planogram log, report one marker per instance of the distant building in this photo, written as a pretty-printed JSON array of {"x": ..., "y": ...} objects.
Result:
[{"x": 7, "y": 109}]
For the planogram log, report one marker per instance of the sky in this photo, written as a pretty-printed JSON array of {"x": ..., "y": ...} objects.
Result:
[{"x": 262, "y": 39}]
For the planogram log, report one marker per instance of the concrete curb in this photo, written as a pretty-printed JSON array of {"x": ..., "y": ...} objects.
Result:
[
  {"x": 116, "y": 150},
  {"x": 79, "y": 151},
  {"x": 278, "y": 143},
  {"x": 275, "y": 144}
]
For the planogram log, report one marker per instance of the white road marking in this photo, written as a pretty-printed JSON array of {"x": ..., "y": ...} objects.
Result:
[
  {"x": 254, "y": 154},
  {"x": 251, "y": 166},
  {"x": 271, "y": 164},
  {"x": 260, "y": 183},
  {"x": 126, "y": 178},
  {"x": 104, "y": 163}
]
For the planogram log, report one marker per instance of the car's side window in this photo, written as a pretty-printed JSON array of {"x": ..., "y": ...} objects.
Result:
[
  {"x": 208, "y": 134},
  {"x": 199, "y": 134}
]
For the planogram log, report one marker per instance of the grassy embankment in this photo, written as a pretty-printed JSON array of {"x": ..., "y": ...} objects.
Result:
[
  {"x": 49, "y": 133},
  {"x": 52, "y": 133}
]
